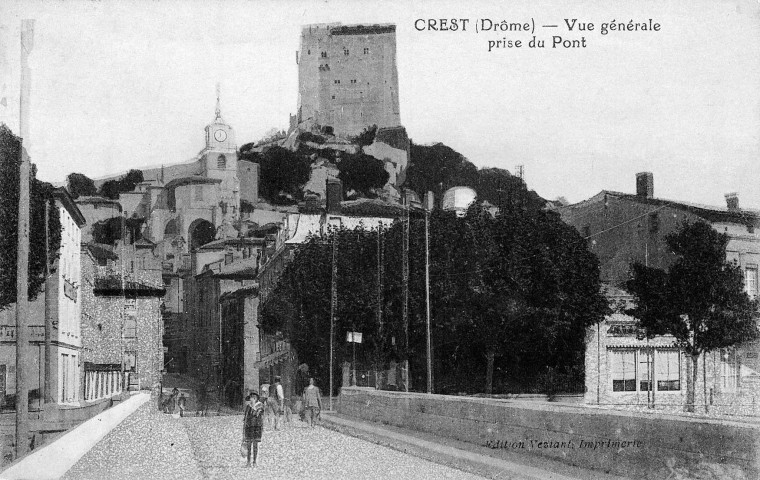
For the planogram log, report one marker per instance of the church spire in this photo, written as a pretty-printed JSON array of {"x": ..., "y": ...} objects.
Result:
[{"x": 218, "y": 110}]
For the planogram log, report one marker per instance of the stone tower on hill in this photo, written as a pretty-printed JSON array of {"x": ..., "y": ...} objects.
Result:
[{"x": 347, "y": 77}]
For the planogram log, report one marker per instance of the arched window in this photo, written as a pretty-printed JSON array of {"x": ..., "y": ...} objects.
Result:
[{"x": 221, "y": 162}]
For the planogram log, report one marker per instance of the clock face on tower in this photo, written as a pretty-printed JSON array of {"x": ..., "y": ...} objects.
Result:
[{"x": 220, "y": 135}]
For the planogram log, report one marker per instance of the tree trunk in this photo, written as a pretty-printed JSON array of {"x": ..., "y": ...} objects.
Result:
[
  {"x": 691, "y": 383},
  {"x": 489, "y": 372}
]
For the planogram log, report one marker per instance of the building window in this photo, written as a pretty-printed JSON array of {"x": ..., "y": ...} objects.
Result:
[
  {"x": 623, "y": 370},
  {"x": 337, "y": 82},
  {"x": 333, "y": 97},
  {"x": 221, "y": 162},
  {"x": 750, "y": 281},
  {"x": 64, "y": 377},
  {"x": 353, "y": 81},
  {"x": 668, "y": 364},
  {"x": 130, "y": 327},
  {"x": 729, "y": 369},
  {"x": 366, "y": 51},
  {"x": 308, "y": 52},
  {"x": 198, "y": 193},
  {"x": 654, "y": 222},
  {"x": 324, "y": 54},
  {"x": 645, "y": 369},
  {"x": 130, "y": 361},
  {"x": 345, "y": 51}
]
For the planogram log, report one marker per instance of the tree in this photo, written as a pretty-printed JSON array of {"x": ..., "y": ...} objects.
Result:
[
  {"x": 282, "y": 173},
  {"x": 533, "y": 288},
  {"x": 362, "y": 174},
  {"x": 366, "y": 137},
  {"x": 112, "y": 188},
  {"x": 520, "y": 288},
  {"x": 700, "y": 300},
  {"x": 80, "y": 185},
  {"x": 437, "y": 168},
  {"x": 40, "y": 193}
]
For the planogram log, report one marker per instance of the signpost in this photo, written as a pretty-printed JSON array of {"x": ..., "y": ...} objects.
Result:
[{"x": 354, "y": 338}]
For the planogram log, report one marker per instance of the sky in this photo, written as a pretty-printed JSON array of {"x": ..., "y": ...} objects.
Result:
[{"x": 130, "y": 84}]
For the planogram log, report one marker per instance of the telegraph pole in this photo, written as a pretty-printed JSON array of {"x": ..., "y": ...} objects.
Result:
[
  {"x": 22, "y": 265},
  {"x": 427, "y": 302},
  {"x": 405, "y": 291},
  {"x": 47, "y": 396},
  {"x": 379, "y": 344},
  {"x": 333, "y": 306}
]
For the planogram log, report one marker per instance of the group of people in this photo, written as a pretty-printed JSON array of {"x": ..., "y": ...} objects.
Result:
[
  {"x": 176, "y": 401},
  {"x": 273, "y": 400}
]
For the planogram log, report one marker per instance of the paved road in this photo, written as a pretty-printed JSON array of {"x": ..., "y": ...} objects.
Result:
[{"x": 151, "y": 445}]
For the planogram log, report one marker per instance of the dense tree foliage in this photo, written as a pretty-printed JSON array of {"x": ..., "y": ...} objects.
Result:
[
  {"x": 700, "y": 300},
  {"x": 116, "y": 228},
  {"x": 510, "y": 297},
  {"x": 79, "y": 185},
  {"x": 437, "y": 168},
  {"x": 362, "y": 174},
  {"x": 40, "y": 194},
  {"x": 112, "y": 188},
  {"x": 366, "y": 137},
  {"x": 282, "y": 173}
]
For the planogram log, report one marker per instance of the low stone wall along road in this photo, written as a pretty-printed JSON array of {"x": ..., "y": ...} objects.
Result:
[{"x": 151, "y": 445}]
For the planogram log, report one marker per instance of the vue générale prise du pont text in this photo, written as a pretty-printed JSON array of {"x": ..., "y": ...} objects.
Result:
[{"x": 529, "y": 33}]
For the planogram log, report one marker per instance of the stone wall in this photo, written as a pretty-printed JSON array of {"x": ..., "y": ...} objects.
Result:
[{"x": 623, "y": 443}]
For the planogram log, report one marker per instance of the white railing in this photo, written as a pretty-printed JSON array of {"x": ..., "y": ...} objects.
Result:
[{"x": 102, "y": 384}]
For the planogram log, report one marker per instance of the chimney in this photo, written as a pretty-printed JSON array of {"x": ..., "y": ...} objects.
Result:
[
  {"x": 334, "y": 193},
  {"x": 645, "y": 184},
  {"x": 732, "y": 201}
]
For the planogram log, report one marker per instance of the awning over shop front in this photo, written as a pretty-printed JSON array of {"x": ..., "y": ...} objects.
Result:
[{"x": 273, "y": 359}]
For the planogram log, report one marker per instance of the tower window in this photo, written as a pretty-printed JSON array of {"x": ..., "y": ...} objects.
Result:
[
  {"x": 654, "y": 223},
  {"x": 366, "y": 51},
  {"x": 308, "y": 52},
  {"x": 221, "y": 162}
]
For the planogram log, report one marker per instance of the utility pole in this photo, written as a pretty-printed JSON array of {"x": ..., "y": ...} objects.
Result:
[
  {"x": 22, "y": 265},
  {"x": 405, "y": 293},
  {"x": 50, "y": 299},
  {"x": 333, "y": 306},
  {"x": 379, "y": 344},
  {"x": 427, "y": 302}
]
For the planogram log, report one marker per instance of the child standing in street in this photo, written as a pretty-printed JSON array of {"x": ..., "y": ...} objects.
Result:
[{"x": 253, "y": 426}]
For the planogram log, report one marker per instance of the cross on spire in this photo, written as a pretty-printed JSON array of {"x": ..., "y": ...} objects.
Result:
[{"x": 218, "y": 111}]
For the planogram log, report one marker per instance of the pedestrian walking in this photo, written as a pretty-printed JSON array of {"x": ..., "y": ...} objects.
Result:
[
  {"x": 202, "y": 399},
  {"x": 175, "y": 397},
  {"x": 264, "y": 399},
  {"x": 253, "y": 427},
  {"x": 277, "y": 400},
  {"x": 181, "y": 404},
  {"x": 312, "y": 401}
]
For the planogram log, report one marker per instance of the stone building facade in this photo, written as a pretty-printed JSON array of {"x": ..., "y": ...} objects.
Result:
[
  {"x": 347, "y": 77},
  {"x": 625, "y": 228},
  {"x": 125, "y": 327},
  {"x": 65, "y": 312}
]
